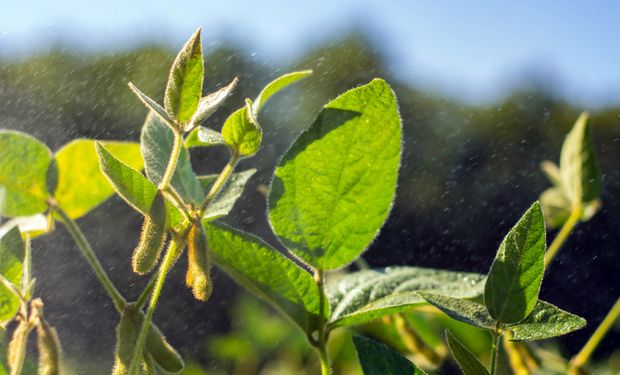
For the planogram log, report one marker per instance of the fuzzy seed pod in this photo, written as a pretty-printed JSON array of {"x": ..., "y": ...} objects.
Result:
[
  {"x": 162, "y": 352},
  {"x": 49, "y": 349},
  {"x": 198, "y": 275},
  {"x": 126, "y": 337},
  {"x": 17, "y": 347},
  {"x": 152, "y": 238}
]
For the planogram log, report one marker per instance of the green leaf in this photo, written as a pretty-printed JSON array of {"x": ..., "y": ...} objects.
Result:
[
  {"x": 556, "y": 207},
  {"x": 132, "y": 186},
  {"x": 24, "y": 162},
  {"x": 467, "y": 361},
  {"x": 334, "y": 187},
  {"x": 241, "y": 131},
  {"x": 81, "y": 185},
  {"x": 204, "y": 137},
  {"x": 377, "y": 358},
  {"x": 366, "y": 295},
  {"x": 514, "y": 280},
  {"x": 157, "y": 141},
  {"x": 210, "y": 103},
  {"x": 277, "y": 85},
  {"x": 12, "y": 251},
  {"x": 229, "y": 194},
  {"x": 34, "y": 225},
  {"x": 153, "y": 106},
  {"x": 184, "y": 87},
  {"x": 545, "y": 321},
  {"x": 463, "y": 310},
  {"x": 552, "y": 172},
  {"x": 267, "y": 273},
  {"x": 578, "y": 167}
]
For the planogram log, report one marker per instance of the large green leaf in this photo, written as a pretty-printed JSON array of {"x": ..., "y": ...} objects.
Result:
[
  {"x": 366, "y": 295},
  {"x": 267, "y": 273},
  {"x": 157, "y": 141},
  {"x": 514, "y": 280},
  {"x": 467, "y": 361},
  {"x": 24, "y": 162},
  {"x": 12, "y": 251},
  {"x": 334, "y": 187},
  {"x": 241, "y": 131},
  {"x": 132, "y": 186},
  {"x": 377, "y": 358},
  {"x": 545, "y": 321},
  {"x": 225, "y": 200},
  {"x": 184, "y": 87},
  {"x": 81, "y": 185},
  {"x": 463, "y": 310},
  {"x": 277, "y": 85},
  {"x": 578, "y": 167}
]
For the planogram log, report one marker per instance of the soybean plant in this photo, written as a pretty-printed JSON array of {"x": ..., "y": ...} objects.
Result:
[
  {"x": 175, "y": 202},
  {"x": 17, "y": 287}
]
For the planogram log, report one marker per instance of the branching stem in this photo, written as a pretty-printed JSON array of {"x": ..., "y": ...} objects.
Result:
[
  {"x": 221, "y": 180},
  {"x": 172, "y": 162},
  {"x": 584, "y": 355},
  {"x": 562, "y": 236},
  {"x": 497, "y": 337},
  {"x": 321, "y": 342},
  {"x": 159, "y": 283},
  {"x": 88, "y": 253}
]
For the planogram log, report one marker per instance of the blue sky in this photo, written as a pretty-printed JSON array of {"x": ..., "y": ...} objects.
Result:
[{"x": 474, "y": 50}]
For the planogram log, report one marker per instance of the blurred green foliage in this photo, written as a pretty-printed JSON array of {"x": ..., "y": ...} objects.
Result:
[{"x": 468, "y": 171}]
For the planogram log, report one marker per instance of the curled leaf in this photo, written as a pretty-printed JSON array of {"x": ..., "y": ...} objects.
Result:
[{"x": 184, "y": 86}]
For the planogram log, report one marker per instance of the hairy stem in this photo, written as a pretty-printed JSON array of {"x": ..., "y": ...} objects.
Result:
[
  {"x": 146, "y": 292},
  {"x": 321, "y": 342},
  {"x": 221, "y": 180},
  {"x": 159, "y": 283},
  {"x": 169, "y": 192},
  {"x": 559, "y": 240},
  {"x": 494, "y": 351},
  {"x": 88, "y": 253},
  {"x": 584, "y": 355},
  {"x": 413, "y": 342},
  {"x": 172, "y": 162}
]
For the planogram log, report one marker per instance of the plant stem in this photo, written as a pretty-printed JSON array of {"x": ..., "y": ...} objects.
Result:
[
  {"x": 88, "y": 253},
  {"x": 174, "y": 195},
  {"x": 146, "y": 292},
  {"x": 172, "y": 162},
  {"x": 221, "y": 180},
  {"x": 494, "y": 351},
  {"x": 413, "y": 342},
  {"x": 559, "y": 240},
  {"x": 161, "y": 276},
  {"x": 321, "y": 343},
  {"x": 584, "y": 355}
]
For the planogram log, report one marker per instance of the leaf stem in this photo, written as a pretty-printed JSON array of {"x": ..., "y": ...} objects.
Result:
[
  {"x": 221, "y": 180},
  {"x": 171, "y": 253},
  {"x": 170, "y": 192},
  {"x": 583, "y": 356},
  {"x": 497, "y": 337},
  {"x": 146, "y": 292},
  {"x": 321, "y": 342},
  {"x": 88, "y": 253},
  {"x": 561, "y": 237},
  {"x": 172, "y": 162}
]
